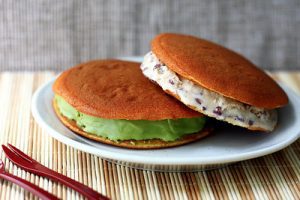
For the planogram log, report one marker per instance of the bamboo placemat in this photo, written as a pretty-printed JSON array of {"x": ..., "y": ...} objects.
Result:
[{"x": 275, "y": 176}]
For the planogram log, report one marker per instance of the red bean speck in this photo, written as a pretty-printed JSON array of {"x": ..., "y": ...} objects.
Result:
[
  {"x": 250, "y": 122},
  {"x": 218, "y": 110},
  {"x": 198, "y": 100}
]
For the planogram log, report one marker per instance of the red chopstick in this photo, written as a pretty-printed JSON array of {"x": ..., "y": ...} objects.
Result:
[{"x": 31, "y": 165}]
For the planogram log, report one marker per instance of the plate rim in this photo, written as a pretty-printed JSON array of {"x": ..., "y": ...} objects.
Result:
[{"x": 138, "y": 159}]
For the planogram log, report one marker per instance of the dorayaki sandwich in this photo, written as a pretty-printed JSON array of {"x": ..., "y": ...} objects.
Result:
[
  {"x": 112, "y": 102},
  {"x": 214, "y": 81}
]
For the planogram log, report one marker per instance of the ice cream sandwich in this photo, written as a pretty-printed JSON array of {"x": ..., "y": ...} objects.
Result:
[
  {"x": 214, "y": 81},
  {"x": 112, "y": 102}
]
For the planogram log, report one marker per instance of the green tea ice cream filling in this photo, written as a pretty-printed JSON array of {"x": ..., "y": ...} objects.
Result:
[{"x": 122, "y": 129}]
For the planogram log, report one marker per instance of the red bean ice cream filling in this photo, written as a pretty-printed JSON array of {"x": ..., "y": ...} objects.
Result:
[{"x": 205, "y": 101}]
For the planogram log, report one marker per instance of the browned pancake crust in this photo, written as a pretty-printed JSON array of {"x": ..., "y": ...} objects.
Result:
[
  {"x": 218, "y": 69},
  {"x": 114, "y": 89},
  {"x": 132, "y": 144}
]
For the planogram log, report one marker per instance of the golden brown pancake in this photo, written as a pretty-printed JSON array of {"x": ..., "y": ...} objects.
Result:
[
  {"x": 218, "y": 69},
  {"x": 132, "y": 144},
  {"x": 122, "y": 92},
  {"x": 114, "y": 89}
]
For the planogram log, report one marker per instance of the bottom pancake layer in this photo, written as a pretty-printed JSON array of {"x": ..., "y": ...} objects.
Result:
[{"x": 132, "y": 144}]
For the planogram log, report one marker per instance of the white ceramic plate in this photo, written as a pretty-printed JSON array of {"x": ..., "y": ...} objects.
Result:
[{"x": 224, "y": 146}]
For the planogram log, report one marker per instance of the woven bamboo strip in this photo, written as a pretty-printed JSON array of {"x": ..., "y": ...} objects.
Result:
[
  {"x": 242, "y": 182},
  {"x": 289, "y": 173},
  {"x": 209, "y": 191},
  {"x": 188, "y": 180},
  {"x": 269, "y": 182},
  {"x": 255, "y": 183},
  {"x": 162, "y": 186},
  {"x": 275, "y": 171},
  {"x": 195, "y": 185},
  {"x": 230, "y": 185}
]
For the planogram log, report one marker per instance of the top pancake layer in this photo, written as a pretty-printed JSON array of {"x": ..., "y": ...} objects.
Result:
[
  {"x": 218, "y": 69},
  {"x": 115, "y": 89}
]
